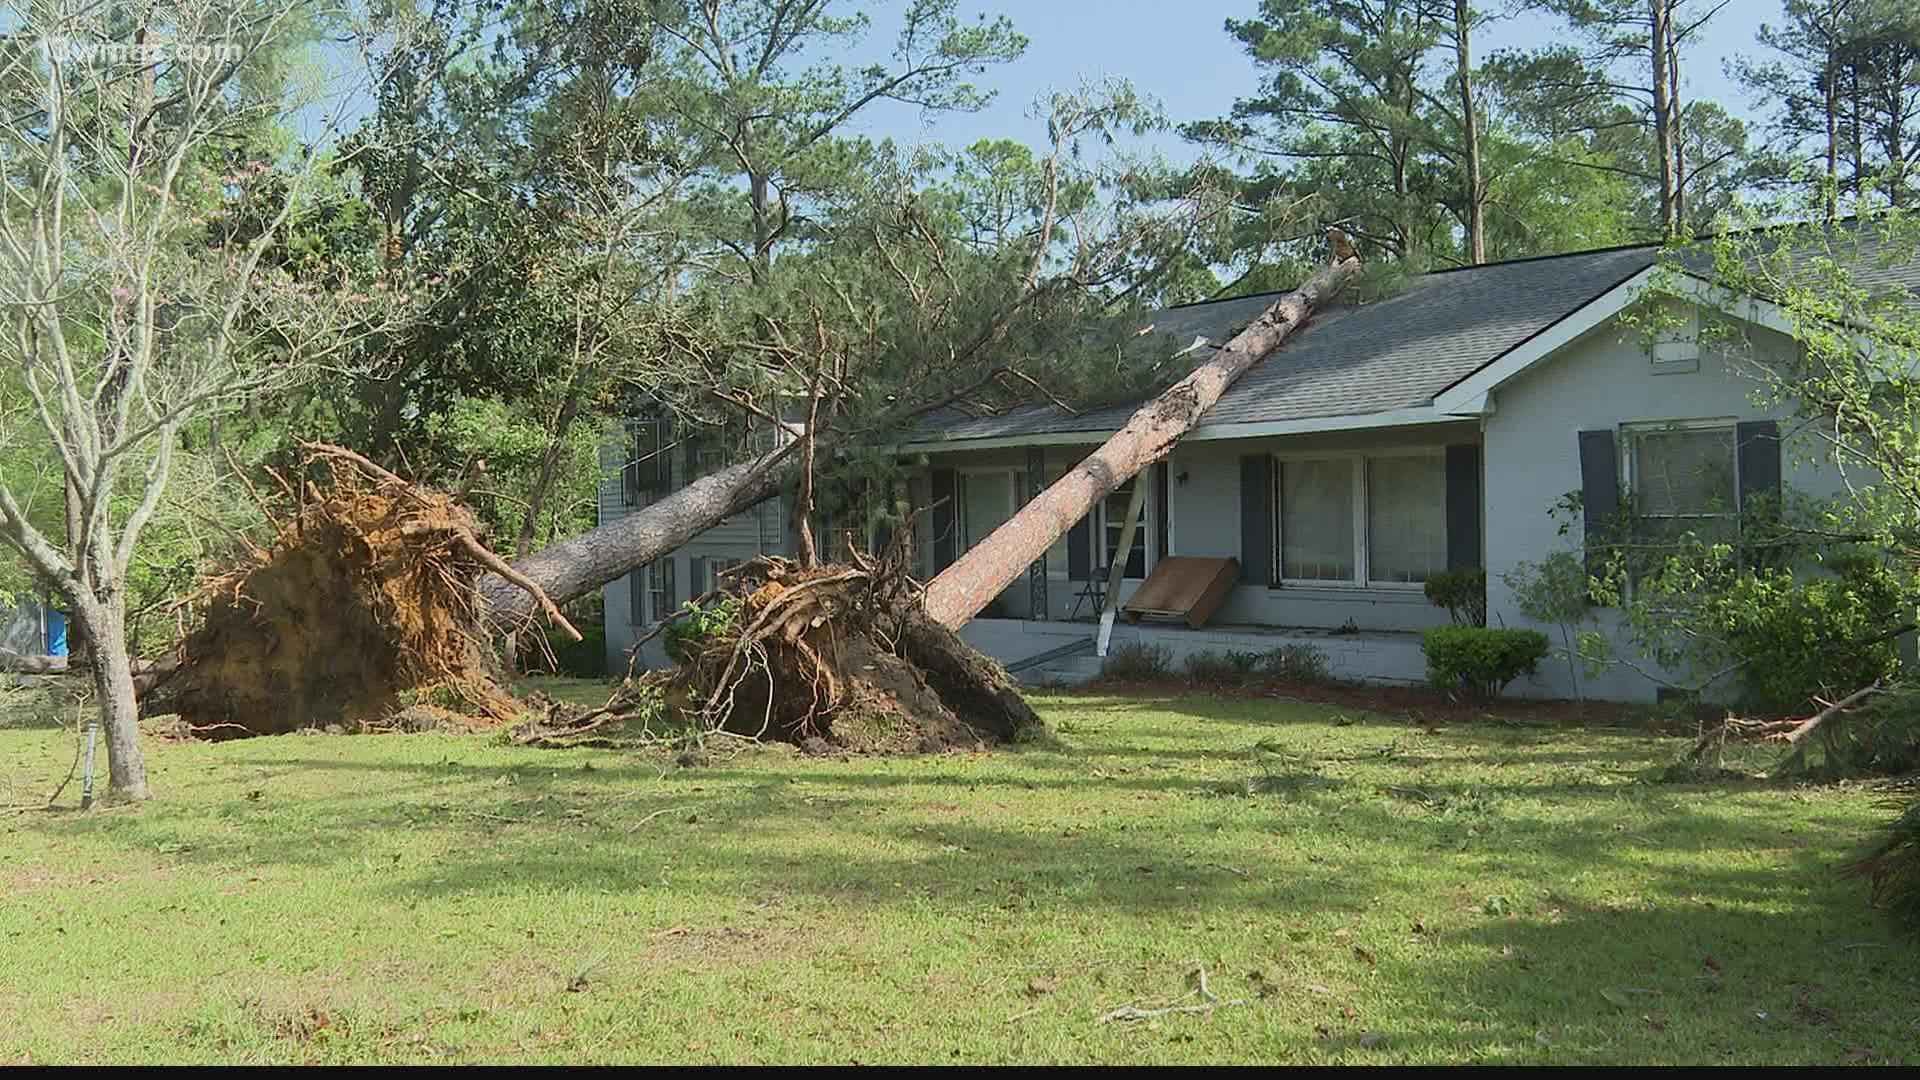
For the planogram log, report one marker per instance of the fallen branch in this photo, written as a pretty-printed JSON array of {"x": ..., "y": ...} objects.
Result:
[
  {"x": 1208, "y": 1002},
  {"x": 1790, "y": 731}
]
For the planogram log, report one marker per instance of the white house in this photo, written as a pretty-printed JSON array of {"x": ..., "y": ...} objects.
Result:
[{"x": 1384, "y": 442}]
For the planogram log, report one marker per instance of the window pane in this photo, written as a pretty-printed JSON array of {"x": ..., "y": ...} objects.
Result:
[
  {"x": 1316, "y": 520},
  {"x": 985, "y": 504},
  {"x": 1116, "y": 521},
  {"x": 1406, "y": 518},
  {"x": 1684, "y": 472}
]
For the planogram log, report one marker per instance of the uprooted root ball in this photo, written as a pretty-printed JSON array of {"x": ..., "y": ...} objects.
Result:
[
  {"x": 362, "y": 607},
  {"x": 838, "y": 657}
]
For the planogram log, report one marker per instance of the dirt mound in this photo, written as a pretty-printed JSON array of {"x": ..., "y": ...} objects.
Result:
[{"x": 362, "y": 608}]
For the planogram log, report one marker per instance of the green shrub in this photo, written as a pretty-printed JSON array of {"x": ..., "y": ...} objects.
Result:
[
  {"x": 1298, "y": 662},
  {"x": 583, "y": 659},
  {"x": 1479, "y": 661},
  {"x": 1463, "y": 593},
  {"x": 1232, "y": 666},
  {"x": 1809, "y": 637},
  {"x": 1138, "y": 661},
  {"x": 686, "y": 636}
]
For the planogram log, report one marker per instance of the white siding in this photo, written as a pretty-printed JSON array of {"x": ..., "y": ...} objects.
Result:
[{"x": 1600, "y": 381}]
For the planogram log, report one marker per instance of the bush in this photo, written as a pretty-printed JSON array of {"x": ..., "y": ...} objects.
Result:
[
  {"x": 583, "y": 659},
  {"x": 1463, "y": 593},
  {"x": 1802, "y": 639},
  {"x": 1297, "y": 663},
  {"x": 1138, "y": 661},
  {"x": 700, "y": 624},
  {"x": 1479, "y": 661},
  {"x": 1207, "y": 666}
]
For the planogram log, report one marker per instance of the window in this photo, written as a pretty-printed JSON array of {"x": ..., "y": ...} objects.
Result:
[
  {"x": 1683, "y": 480},
  {"x": 707, "y": 460},
  {"x": 1406, "y": 518},
  {"x": 660, "y": 601},
  {"x": 1355, "y": 519},
  {"x": 710, "y": 578},
  {"x": 987, "y": 500},
  {"x": 1316, "y": 520},
  {"x": 1113, "y": 521},
  {"x": 647, "y": 470}
]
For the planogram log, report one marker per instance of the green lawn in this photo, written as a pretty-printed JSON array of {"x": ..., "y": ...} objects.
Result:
[{"x": 1360, "y": 889}]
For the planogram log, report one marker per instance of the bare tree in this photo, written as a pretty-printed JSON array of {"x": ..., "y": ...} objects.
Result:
[{"x": 135, "y": 285}]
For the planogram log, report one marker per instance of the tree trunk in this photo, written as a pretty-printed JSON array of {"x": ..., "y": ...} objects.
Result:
[
  {"x": 573, "y": 568},
  {"x": 112, "y": 668},
  {"x": 1678, "y": 112},
  {"x": 1660, "y": 29},
  {"x": 1830, "y": 95},
  {"x": 970, "y": 583},
  {"x": 1470, "y": 134}
]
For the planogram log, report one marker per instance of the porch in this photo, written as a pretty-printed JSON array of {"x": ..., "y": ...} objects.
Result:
[{"x": 1045, "y": 652}]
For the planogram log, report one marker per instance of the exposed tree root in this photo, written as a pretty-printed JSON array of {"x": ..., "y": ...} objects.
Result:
[
  {"x": 839, "y": 657},
  {"x": 362, "y": 615}
]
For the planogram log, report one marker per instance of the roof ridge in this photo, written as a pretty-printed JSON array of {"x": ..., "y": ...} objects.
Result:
[{"x": 1435, "y": 273}]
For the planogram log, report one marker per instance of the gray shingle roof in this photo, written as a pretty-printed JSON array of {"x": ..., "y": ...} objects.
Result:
[
  {"x": 1396, "y": 353},
  {"x": 1355, "y": 359}
]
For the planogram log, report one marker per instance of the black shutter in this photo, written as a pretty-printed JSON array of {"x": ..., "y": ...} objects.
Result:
[
  {"x": 1757, "y": 464},
  {"x": 1256, "y": 519},
  {"x": 1080, "y": 550},
  {"x": 689, "y": 459},
  {"x": 1463, "y": 507},
  {"x": 697, "y": 578},
  {"x": 1600, "y": 494},
  {"x": 1758, "y": 449},
  {"x": 637, "y": 597},
  {"x": 668, "y": 594},
  {"x": 946, "y": 518},
  {"x": 1162, "y": 510}
]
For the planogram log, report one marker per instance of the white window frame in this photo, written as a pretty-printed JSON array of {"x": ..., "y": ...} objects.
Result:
[
  {"x": 1143, "y": 535},
  {"x": 1630, "y": 434},
  {"x": 659, "y": 587},
  {"x": 1356, "y": 461},
  {"x": 1017, "y": 498}
]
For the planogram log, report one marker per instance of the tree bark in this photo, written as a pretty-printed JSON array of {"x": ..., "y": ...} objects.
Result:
[
  {"x": 1470, "y": 133},
  {"x": 1660, "y": 30},
  {"x": 112, "y": 669},
  {"x": 572, "y": 568},
  {"x": 971, "y": 582}
]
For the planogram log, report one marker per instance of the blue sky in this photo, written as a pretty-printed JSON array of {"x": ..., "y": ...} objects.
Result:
[{"x": 1179, "y": 52}]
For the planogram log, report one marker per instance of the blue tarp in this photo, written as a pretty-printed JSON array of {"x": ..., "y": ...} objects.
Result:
[{"x": 56, "y": 633}]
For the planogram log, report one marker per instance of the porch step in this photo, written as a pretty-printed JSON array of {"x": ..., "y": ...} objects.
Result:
[{"x": 1071, "y": 648}]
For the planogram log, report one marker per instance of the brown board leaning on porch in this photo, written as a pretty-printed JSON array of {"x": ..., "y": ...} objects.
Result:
[
  {"x": 960, "y": 591},
  {"x": 1184, "y": 587}
]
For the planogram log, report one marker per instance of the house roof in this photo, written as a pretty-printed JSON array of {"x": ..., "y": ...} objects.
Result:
[
  {"x": 1444, "y": 334},
  {"x": 1354, "y": 359}
]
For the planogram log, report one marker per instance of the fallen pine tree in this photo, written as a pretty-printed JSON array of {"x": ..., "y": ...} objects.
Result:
[
  {"x": 366, "y": 613},
  {"x": 960, "y": 591}
]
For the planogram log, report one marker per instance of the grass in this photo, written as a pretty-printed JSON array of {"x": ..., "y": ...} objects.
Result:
[{"x": 1371, "y": 891}]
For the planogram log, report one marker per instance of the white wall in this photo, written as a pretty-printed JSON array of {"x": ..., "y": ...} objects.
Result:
[
  {"x": 1531, "y": 459},
  {"x": 1204, "y": 489}
]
